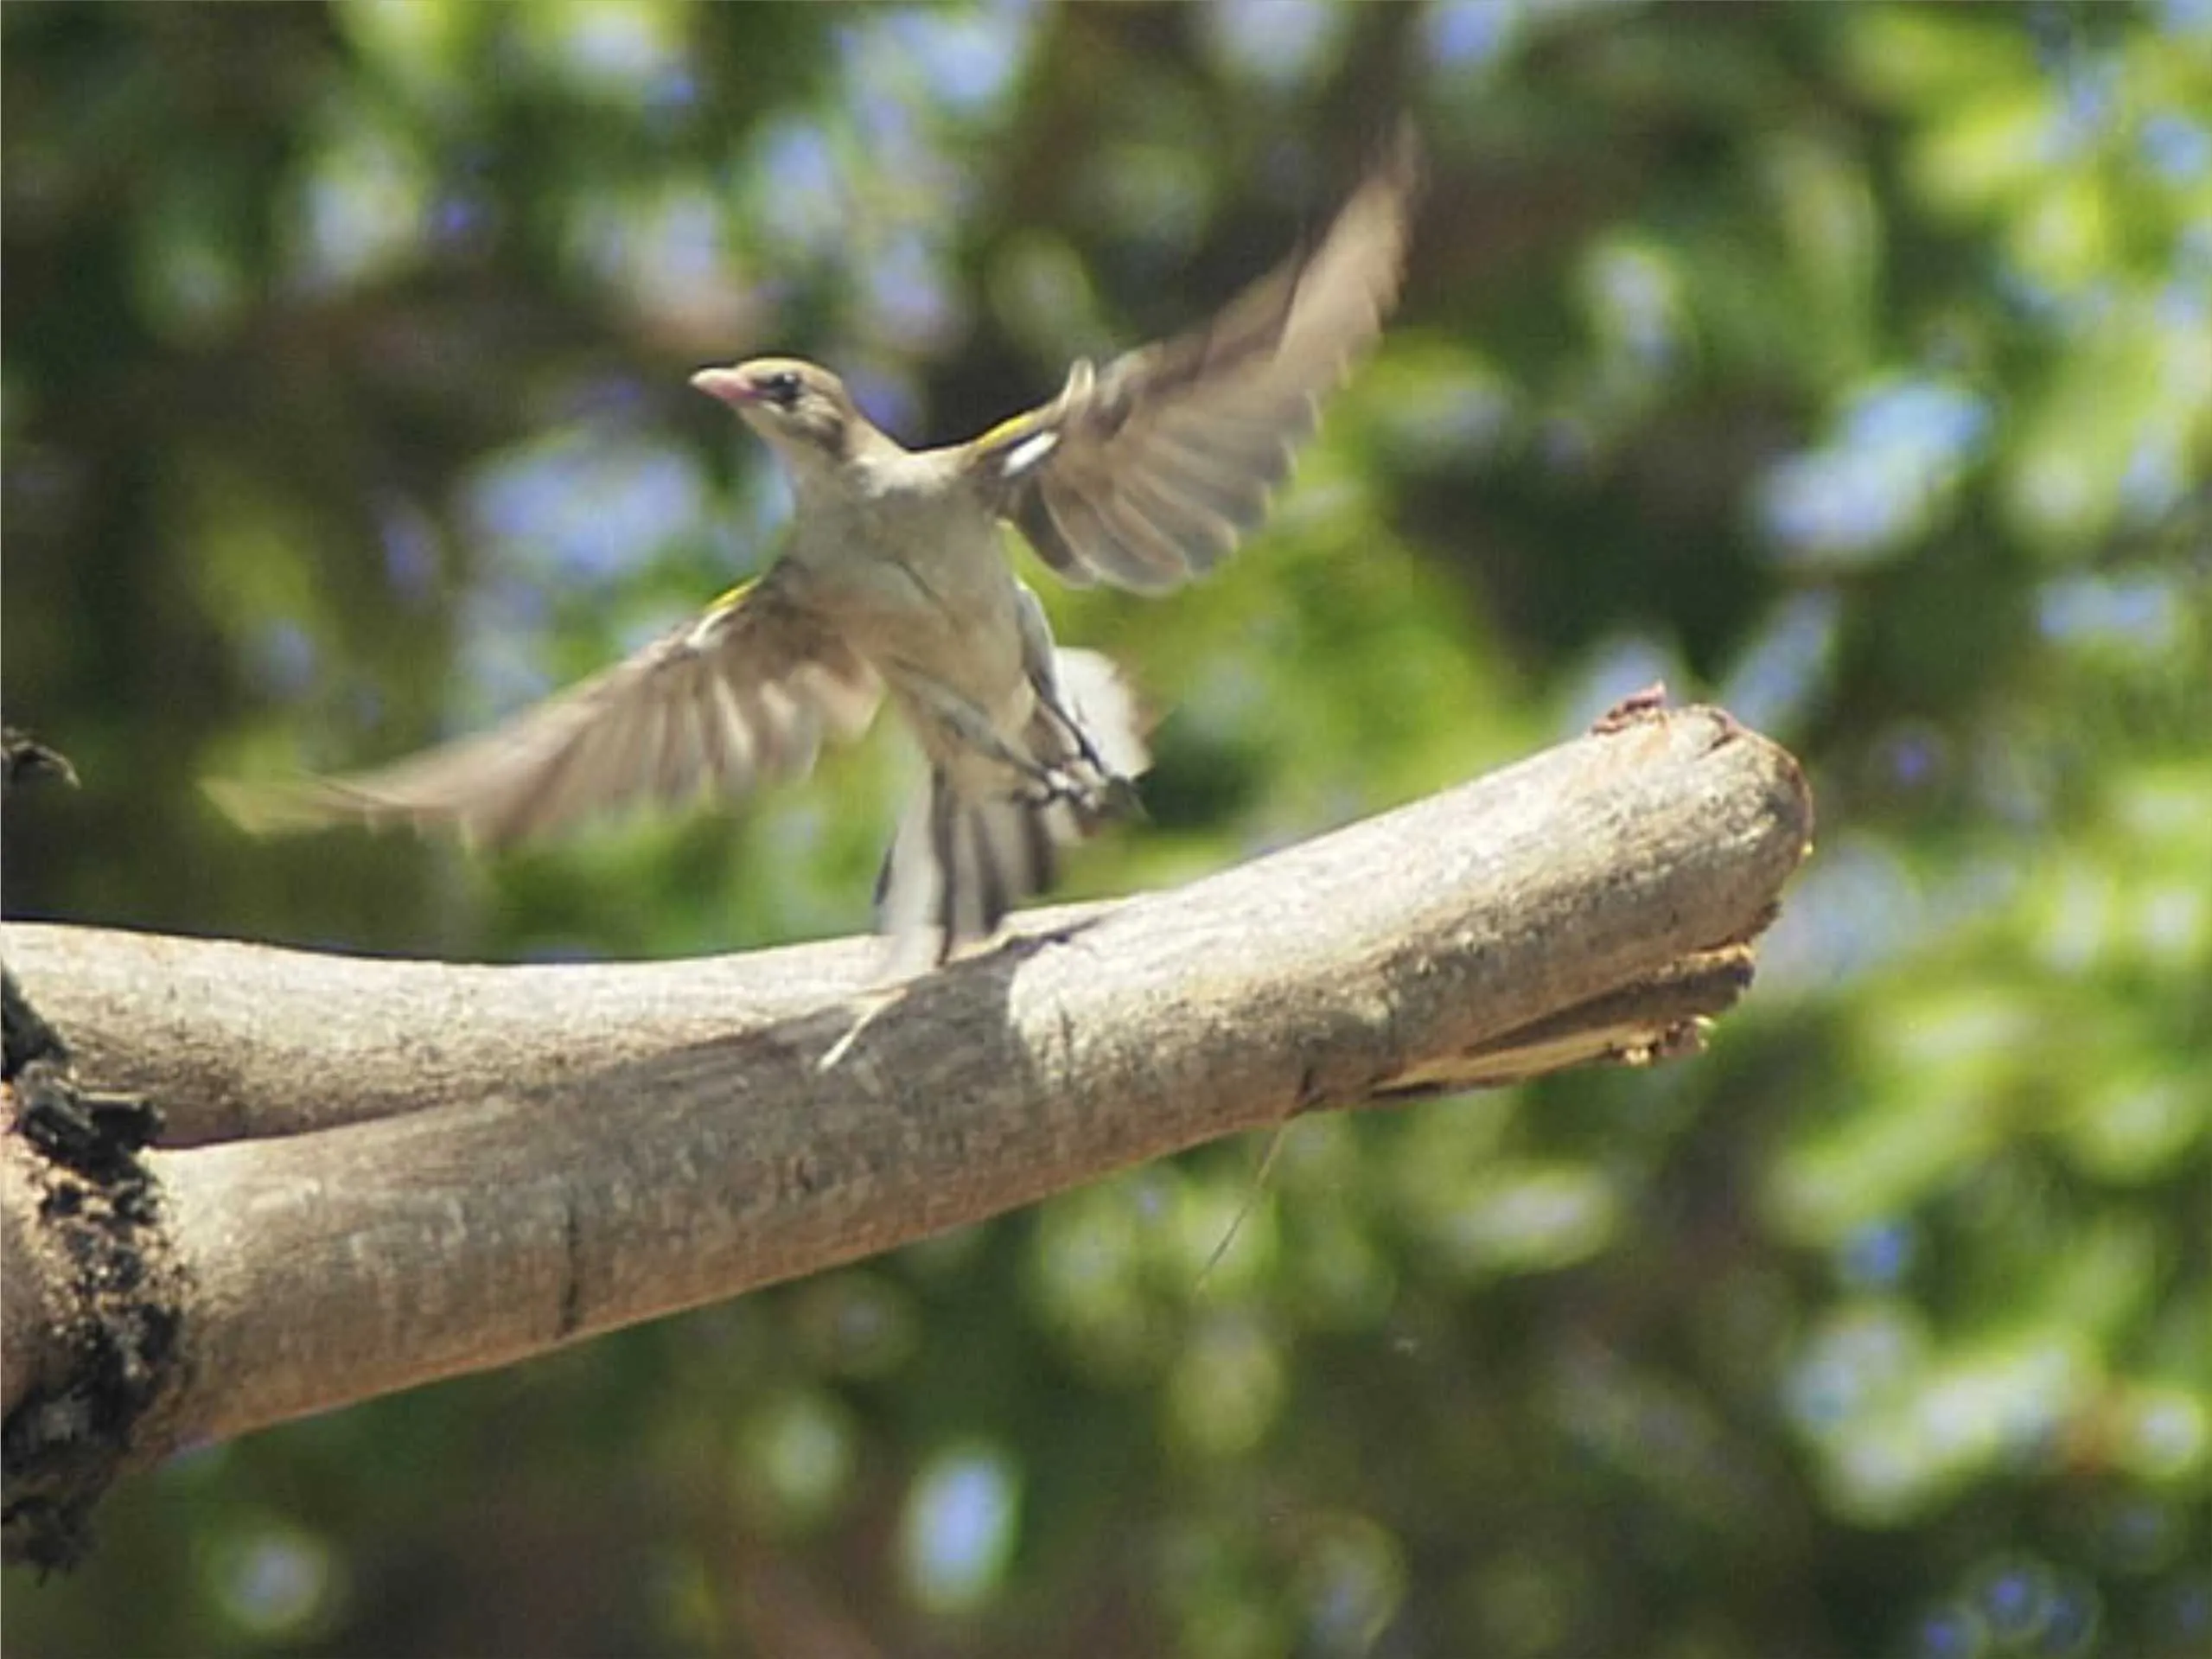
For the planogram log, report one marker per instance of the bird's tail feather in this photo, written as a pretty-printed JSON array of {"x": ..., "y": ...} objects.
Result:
[
  {"x": 962, "y": 860},
  {"x": 1091, "y": 690}
]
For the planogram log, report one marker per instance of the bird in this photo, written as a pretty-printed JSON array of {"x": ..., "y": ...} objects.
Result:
[{"x": 892, "y": 584}]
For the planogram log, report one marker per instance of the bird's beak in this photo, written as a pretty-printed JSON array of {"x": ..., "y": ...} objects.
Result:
[{"x": 726, "y": 386}]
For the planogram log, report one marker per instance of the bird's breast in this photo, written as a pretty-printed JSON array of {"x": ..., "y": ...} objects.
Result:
[{"x": 918, "y": 582}]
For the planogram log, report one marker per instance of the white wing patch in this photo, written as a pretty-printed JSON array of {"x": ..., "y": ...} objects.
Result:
[{"x": 1025, "y": 455}]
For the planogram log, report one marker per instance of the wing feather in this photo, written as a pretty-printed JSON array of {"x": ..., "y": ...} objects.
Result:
[
  {"x": 1200, "y": 537},
  {"x": 1196, "y": 430},
  {"x": 742, "y": 696}
]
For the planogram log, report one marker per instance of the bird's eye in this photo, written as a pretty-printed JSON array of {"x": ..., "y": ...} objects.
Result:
[{"x": 780, "y": 388}]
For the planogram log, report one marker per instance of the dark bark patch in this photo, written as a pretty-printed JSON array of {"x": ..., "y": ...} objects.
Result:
[{"x": 100, "y": 1230}]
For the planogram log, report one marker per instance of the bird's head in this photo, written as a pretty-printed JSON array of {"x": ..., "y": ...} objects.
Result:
[{"x": 801, "y": 409}]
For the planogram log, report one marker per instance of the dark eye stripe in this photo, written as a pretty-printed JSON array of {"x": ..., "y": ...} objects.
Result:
[{"x": 781, "y": 388}]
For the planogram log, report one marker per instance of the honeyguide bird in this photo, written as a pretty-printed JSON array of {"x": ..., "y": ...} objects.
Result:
[{"x": 1143, "y": 473}]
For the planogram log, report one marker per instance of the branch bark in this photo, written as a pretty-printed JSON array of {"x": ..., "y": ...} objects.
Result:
[{"x": 377, "y": 1173}]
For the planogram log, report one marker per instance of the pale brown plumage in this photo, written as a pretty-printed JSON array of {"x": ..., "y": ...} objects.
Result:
[{"x": 1143, "y": 473}]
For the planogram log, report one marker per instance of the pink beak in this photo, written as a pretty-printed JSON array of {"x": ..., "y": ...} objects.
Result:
[{"x": 727, "y": 386}]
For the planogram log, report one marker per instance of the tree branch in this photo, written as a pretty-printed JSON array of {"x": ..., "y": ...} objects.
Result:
[{"x": 378, "y": 1173}]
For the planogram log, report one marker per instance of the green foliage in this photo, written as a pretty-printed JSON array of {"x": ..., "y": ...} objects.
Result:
[{"x": 1851, "y": 364}]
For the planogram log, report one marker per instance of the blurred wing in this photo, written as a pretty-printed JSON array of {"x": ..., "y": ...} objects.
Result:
[
  {"x": 742, "y": 695},
  {"x": 1146, "y": 472}
]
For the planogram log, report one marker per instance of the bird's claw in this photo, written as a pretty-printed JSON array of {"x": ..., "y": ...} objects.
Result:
[{"x": 1106, "y": 795}]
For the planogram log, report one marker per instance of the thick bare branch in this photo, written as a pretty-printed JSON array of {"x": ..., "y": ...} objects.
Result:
[{"x": 393, "y": 1171}]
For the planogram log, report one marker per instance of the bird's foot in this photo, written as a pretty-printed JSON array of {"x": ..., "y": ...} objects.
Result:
[{"x": 1094, "y": 797}]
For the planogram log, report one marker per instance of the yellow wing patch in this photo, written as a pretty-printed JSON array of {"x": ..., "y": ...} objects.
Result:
[
  {"x": 1012, "y": 430},
  {"x": 731, "y": 598}
]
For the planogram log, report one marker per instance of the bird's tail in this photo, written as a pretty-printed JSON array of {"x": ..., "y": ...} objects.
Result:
[{"x": 964, "y": 857}]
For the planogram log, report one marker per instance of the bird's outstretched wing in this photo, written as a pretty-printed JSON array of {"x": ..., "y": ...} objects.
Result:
[
  {"x": 742, "y": 695},
  {"x": 1147, "y": 471}
]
